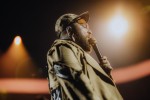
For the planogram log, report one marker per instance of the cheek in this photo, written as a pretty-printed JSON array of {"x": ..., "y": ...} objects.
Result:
[{"x": 84, "y": 32}]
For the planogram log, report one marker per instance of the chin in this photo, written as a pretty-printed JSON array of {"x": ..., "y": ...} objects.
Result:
[
  {"x": 88, "y": 48},
  {"x": 85, "y": 45}
]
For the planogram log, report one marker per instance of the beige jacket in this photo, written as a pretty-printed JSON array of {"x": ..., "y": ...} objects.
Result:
[{"x": 75, "y": 75}]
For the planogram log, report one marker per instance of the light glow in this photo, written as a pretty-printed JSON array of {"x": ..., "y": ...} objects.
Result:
[
  {"x": 15, "y": 59},
  {"x": 40, "y": 86},
  {"x": 17, "y": 40},
  {"x": 30, "y": 86},
  {"x": 118, "y": 25},
  {"x": 132, "y": 72}
]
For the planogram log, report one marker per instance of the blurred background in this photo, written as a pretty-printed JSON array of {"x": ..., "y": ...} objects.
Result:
[{"x": 121, "y": 27}]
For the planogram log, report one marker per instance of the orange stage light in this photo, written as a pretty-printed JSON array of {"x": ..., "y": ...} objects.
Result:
[{"x": 16, "y": 62}]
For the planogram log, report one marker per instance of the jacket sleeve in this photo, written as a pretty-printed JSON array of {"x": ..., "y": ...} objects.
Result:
[
  {"x": 68, "y": 56},
  {"x": 62, "y": 61}
]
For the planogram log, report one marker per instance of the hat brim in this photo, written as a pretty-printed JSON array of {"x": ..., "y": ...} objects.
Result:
[{"x": 84, "y": 15}]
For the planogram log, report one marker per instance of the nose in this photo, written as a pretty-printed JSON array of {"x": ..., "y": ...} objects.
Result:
[{"x": 89, "y": 34}]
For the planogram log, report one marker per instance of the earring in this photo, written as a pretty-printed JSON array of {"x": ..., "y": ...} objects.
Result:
[{"x": 73, "y": 37}]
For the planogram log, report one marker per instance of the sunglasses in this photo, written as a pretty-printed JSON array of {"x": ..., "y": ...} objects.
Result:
[{"x": 80, "y": 21}]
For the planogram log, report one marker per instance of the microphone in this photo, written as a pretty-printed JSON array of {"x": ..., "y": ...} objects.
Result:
[
  {"x": 107, "y": 69},
  {"x": 92, "y": 41}
]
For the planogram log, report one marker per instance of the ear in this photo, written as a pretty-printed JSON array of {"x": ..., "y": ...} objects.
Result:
[
  {"x": 69, "y": 29},
  {"x": 70, "y": 33}
]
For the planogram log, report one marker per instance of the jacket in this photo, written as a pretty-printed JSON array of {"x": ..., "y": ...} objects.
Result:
[{"x": 74, "y": 75}]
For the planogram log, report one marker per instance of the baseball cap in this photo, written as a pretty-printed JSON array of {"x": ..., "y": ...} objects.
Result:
[{"x": 66, "y": 19}]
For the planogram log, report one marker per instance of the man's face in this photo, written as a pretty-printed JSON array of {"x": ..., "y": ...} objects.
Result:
[{"x": 82, "y": 34}]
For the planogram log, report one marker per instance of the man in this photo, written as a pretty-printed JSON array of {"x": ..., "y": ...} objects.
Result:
[{"x": 72, "y": 73}]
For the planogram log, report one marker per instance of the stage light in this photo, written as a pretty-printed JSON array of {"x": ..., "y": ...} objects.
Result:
[
  {"x": 118, "y": 25},
  {"x": 132, "y": 72},
  {"x": 16, "y": 61},
  {"x": 40, "y": 86},
  {"x": 23, "y": 85},
  {"x": 17, "y": 40}
]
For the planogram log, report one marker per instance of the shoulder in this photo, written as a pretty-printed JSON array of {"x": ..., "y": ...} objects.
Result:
[
  {"x": 61, "y": 44},
  {"x": 67, "y": 43},
  {"x": 66, "y": 52}
]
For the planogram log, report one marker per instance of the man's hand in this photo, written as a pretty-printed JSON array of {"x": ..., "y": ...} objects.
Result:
[{"x": 106, "y": 65}]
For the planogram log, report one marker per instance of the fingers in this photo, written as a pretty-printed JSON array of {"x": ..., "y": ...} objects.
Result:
[
  {"x": 104, "y": 60},
  {"x": 105, "y": 63}
]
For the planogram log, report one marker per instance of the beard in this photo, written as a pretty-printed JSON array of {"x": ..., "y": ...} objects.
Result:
[
  {"x": 84, "y": 43},
  {"x": 86, "y": 46}
]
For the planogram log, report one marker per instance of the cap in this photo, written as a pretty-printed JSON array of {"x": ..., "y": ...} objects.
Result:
[{"x": 65, "y": 20}]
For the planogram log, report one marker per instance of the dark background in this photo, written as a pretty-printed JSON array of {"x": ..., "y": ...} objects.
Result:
[{"x": 34, "y": 21}]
